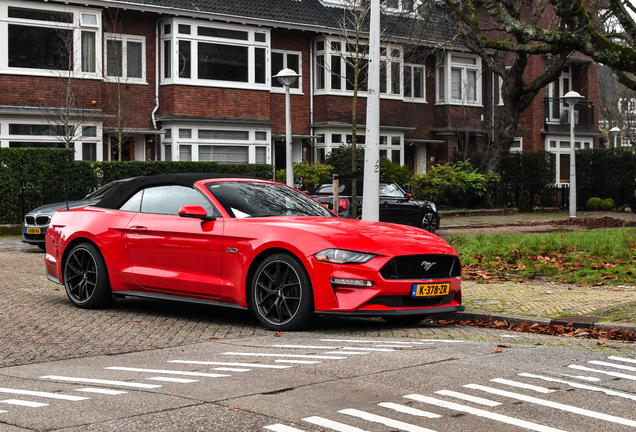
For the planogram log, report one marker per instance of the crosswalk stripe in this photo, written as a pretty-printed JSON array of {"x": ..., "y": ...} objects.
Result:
[
  {"x": 407, "y": 427},
  {"x": 581, "y": 386},
  {"x": 337, "y": 426},
  {"x": 43, "y": 394},
  {"x": 614, "y": 374},
  {"x": 102, "y": 391},
  {"x": 374, "y": 341},
  {"x": 348, "y": 352},
  {"x": 368, "y": 349},
  {"x": 24, "y": 403},
  {"x": 483, "y": 413},
  {"x": 408, "y": 410},
  {"x": 284, "y": 355},
  {"x": 468, "y": 398},
  {"x": 250, "y": 365},
  {"x": 522, "y": 385},
  {"x": 622, "y": 359},
  {"x": 298, "y": 361},
  {"x": 614, "y": 365},
  {"x": 318, "y": 347},
  {"x": 556, "y": 405},
  {"x": 168, "y": 372},
  {"x": 101, "y": 381},
  {"x": 229, "y": 369},
  {"x": 174, "y": 380},
  {"x": 281, "y": 428},
  {"x": 581, "y": 377}
]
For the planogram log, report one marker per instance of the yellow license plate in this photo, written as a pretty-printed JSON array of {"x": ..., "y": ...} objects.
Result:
[
  {"x": 426, "y": 290},
  {"x": 34, "y": 231}
]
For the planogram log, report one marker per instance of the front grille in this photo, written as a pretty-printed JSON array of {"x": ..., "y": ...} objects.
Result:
[
  {"x": 411, "y": 302},
  {"x": 30, "y": 220},
  {"x": 42, "y": 220},
  {"x": 34, "y": 236},
  {"x": 414, "y": 267}
]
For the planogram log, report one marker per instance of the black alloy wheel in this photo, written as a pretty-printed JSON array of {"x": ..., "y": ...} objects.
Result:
[
  {"x": 281, "y": 293},
  {"x": 86, "y": 277},
  {"x": 429, "y": 222}
]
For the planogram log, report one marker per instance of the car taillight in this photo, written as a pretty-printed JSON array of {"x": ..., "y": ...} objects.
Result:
[{"x": 342, "y": 205}]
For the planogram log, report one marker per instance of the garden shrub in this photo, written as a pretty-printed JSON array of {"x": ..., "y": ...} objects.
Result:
[
  {"x": 608, "y": 204},
  {"x": 593, "y": 204}
]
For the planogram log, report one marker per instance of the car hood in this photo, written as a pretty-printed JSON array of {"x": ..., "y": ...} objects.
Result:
[
  {"x": 361, "y": 235},
  {"x": 52, "y": 208}
]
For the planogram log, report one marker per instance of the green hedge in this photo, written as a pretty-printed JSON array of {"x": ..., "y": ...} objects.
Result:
[
  {"x": 33, "y": 177},
  {"x": 606, "y": 173}
]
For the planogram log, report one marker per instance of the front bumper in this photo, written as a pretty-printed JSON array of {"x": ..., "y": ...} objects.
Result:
[{"x": 397, "y": 312}]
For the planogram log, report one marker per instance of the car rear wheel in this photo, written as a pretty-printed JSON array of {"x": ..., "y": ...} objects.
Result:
[
  {"x": 429, "y": 222},
  {"x": 86, "y": 277},
  {"x": 282, "y": 297}
]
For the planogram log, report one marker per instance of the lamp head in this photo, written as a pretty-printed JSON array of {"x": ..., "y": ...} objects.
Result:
[
  {"x": 286, "y": 77},
  {"x": 572, "y": 97}
]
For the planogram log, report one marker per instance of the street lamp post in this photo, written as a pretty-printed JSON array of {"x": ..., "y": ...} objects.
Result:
[
  {"x": 287, "y": 78},
  {"x": 572, "y": 98},
  {"x": 614, "y": 133}
]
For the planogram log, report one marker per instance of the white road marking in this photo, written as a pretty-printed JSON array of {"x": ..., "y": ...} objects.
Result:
[
  {"x": 614, "y": 365},
  {"x": 581, "y": 377},
  {"x": 522, "y": 385},
  {"x": 282, "y": 428},
  {"x": 622, "y": 359},
  {"x": 469, "y": 398},
  {"x": 374, "y": 341},
  {"x": 581, "y": 386},
  {"x": 308, "y": 347},
  {"x": 102, "y": 391},
  {"x": 368, "y": 349},
  {"x": 347, "y": 352},
  {"x": 24, "y": 403},
  {"x": 100, "y": 381},
  {"x": 408, "y": 410},
  {"x": 250, "y": 365},
  {"x": 394, "y": 346},
  {"x": 396, "y": 424},
  {"x": 614, "y": 374},
  {"x": 285, "y": 355},
  {"x": 298, "y": 361},
  {"x": 174, "y": 380},
  {"x": 446, "y": 340},
  {"x": 556, "y": 405},
  {"x": 168, "y": 372},
  {"x": 337, "y": 426},
  {"x": 229, "y": 369},
  {"x": 483, "y": 413},
  {"x": 42, "y": 394}
]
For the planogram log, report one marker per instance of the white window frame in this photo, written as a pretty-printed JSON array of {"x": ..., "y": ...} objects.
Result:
[
  {"x": 392, "y": 54},
  {"x": 329, "y": 144},
  {"x": 580, "y": 143},
  {"x": 78, "y": 138},
  {"x": 413, "y": 98},
  {"x": 445, "y": 67},
  {"x": 518, "y": 148},
  {"x": 124, "y": 39},
  {"x": 77, "y": 26},
  {"x": 292, "y": 90},
  {"x": 251, "y": 44},
  {"x": 175, "y": 141}
]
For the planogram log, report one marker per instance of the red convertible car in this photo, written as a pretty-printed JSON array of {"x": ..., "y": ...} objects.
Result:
[{"x": 247, "y": 244}]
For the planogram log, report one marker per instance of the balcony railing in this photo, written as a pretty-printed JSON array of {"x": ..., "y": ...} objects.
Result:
[{"x": 557, "y": 115}]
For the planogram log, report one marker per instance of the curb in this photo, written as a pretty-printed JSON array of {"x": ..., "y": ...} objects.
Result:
[{"x": 516, "y": 319}]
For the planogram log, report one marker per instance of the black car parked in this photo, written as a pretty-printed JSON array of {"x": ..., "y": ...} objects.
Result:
[
  {"x": 396, "y": 205},
  {"x": 36, "y": 222}
]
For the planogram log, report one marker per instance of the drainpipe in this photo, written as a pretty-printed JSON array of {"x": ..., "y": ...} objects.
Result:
[
  {"x": 492, "y": 111},
  {"x": 311, "y": 96},
  {"x": 157, "y": 55}
]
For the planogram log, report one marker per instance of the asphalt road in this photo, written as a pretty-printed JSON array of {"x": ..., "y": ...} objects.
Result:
[{"x": 155, "y": 366}]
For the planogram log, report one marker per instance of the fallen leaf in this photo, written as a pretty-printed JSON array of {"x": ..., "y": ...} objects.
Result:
[
  {"x": 497, "y": 351},
  {"x": 277, "y": 334},
  {"x": 521, "y": 266},
  {"x": 554, "y": 388}
]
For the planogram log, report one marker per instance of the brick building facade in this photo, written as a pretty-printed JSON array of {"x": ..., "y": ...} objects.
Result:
[{"x": 190, "y": 81}]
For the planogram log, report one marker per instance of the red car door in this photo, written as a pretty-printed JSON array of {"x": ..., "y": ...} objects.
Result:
[{"x": 170, "y": 253}]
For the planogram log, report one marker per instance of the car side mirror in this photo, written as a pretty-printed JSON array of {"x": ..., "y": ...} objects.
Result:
[
  {"x": 195, "y": 212},
  {"x": 408, "y": 196}
]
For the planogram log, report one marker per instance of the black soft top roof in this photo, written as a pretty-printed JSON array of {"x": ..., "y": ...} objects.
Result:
[{"x": 116, "y": 196}]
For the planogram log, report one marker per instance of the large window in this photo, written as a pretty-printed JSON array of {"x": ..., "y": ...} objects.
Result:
[
  {"x": 459, "y": 79},
  {"x": 335, "y": 67},
  {"x": 414, "y": 83},
  {"x": 216, "y": 144},
  {"x": 212, "y": 54},
  {"x": 391, "y": 143},
  {"x": 562, "y": 148},
  {"x": 49, "y": 40},
  {"x": 286, "y": 60},
  {"x": 125, "y": 58}
]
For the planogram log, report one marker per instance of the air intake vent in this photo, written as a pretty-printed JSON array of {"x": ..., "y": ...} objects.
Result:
[{"x": 419, "y": 267}]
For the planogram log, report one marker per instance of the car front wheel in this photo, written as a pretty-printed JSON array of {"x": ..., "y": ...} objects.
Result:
[
  {"x": 86, "y": 277},
  {"x": 282, "y": 297},
  {"x": 429, "y": 222}
]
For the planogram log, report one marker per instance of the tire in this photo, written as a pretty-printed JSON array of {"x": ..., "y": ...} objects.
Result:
[
  {"x": 428, "y": 222},
  {"x": 86, "y": 277},
  {"x": 281, "y": 293}
]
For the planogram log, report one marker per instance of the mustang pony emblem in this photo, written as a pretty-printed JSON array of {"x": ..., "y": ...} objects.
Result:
[{"x": 427, "y": 265}]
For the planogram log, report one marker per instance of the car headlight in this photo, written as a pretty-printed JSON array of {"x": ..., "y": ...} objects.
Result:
[
  {"x": 433, "y": 207},
  {"x": 340, "y": 256}
]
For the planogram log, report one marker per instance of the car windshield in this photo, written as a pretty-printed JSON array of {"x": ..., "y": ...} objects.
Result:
[
  {"x": 255, "y": 199},
  {"x": 102, "y": 190}
]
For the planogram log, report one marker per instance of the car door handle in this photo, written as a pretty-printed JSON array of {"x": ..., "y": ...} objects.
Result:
[{"x": 138, "y": 229}]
